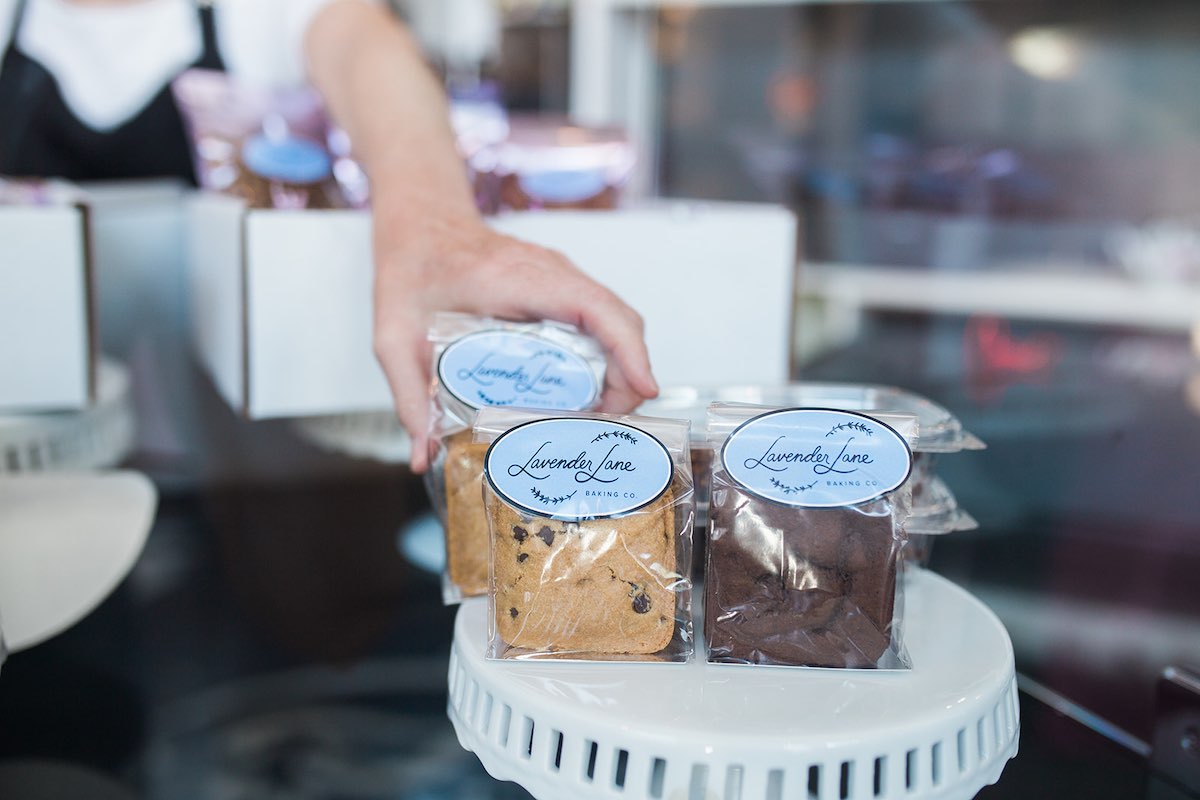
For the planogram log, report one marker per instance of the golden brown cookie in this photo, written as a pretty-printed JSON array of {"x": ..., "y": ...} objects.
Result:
[
  {"x": 466, "y": 523},
  {"x": 601, "y": 586}
]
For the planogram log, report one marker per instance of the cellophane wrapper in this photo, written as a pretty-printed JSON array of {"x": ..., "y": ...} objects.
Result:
[
  {"x": 454, "y": 479},
  {"x": 802, "y": 587},
  {"x": 222, "y": 114},
  {"x": 600, "y": 588}
]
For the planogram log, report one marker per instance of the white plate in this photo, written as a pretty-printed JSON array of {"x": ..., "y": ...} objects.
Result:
[{"x": 66, "y": 541}]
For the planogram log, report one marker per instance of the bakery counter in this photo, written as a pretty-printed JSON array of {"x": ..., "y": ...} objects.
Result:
[{"x": 272, "y": 641}]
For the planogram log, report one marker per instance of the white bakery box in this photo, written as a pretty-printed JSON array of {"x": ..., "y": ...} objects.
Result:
[
  {"x": 282, "y": 309},
  {"x": 47, "y": 306}
]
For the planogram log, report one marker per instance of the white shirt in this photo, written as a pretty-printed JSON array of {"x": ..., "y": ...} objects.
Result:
[{"x": 111, "y": 60}]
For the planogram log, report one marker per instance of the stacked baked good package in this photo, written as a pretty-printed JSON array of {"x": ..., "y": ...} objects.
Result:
[
  {"x": 479, "y": 363},
  {"x": 935, "y": 509},
  {"x": 590, "y": 518},
  {"x": 274, "y": 148},
  {"x": 549, "y": 162},
  {"x": 806, "y": 530}
]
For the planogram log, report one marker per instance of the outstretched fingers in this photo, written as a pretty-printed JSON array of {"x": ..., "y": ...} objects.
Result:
[
  {"x": 545, "y": 285},
  {"x": 401, "y": 351}
]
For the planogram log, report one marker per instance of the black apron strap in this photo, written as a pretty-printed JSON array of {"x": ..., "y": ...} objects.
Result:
[
  {"x": 41, "y": 135},
  {"x": 210, "y": 55},
  {"x": 21, "y": 83},
  {"x": 18, "y": 18}
]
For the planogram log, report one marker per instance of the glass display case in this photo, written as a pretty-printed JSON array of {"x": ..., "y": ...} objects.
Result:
[{"x": 998, "y": 212}]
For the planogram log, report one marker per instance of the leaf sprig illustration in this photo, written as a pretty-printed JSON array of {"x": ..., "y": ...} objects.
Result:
[
  {"x": 787, "y": 489},
  {"x": 629, "y": 437},
  {"x": 549, "y": 353},
  {"x": 854, "y": 426},
  {"x": 550, "y": 501}
]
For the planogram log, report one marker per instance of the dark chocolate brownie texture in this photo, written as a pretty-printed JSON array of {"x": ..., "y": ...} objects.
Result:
[
  {"x": 701, "y": 457},
  {"x": 801, "y": 587}
]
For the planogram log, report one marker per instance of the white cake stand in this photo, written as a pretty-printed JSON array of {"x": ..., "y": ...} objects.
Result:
[
  {"x": 98, "y": 436},
  {"x": 70, "y": 530},
  {"x": 944, "y": 729},
  {"x": 66, "y": 541},
  {"x": 368, "y": 434}
]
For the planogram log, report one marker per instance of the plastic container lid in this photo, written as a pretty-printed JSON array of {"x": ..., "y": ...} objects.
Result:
[
  {"x": 936, "y": 511},
  {"x": 566, "y": 186},
  {"x": 290, "y": 159},
  {"x": 939, "y": 430},
  {"x": 544, "y": 144}
]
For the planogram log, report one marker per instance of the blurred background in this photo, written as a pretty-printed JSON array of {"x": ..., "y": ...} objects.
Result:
[{"x": 998, "y": 209}]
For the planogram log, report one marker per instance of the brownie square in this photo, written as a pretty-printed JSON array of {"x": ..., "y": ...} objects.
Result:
[{"x": 798, "y": 586}]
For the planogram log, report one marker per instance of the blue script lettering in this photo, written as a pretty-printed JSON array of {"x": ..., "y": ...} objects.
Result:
[
  {"x": 844, "y": 458},
  {"x": 606, "y": 463},
  {"x": 816, "y": 456},
  {"x": 821, "y": 461},
  {"x": 521, "y": 380},
  {"x": 585, "y": 469}
]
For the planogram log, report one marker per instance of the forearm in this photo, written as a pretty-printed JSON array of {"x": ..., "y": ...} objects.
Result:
[
  {"x": 432, "y": 250},
  {"x": 378, "y": 87}
]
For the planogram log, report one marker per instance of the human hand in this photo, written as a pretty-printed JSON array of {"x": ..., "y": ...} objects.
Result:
[
  {"x": 460, "y": 264},
  {"x": 432, "y": 250}
]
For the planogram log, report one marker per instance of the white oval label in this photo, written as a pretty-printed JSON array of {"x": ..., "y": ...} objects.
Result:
[
  {"x": 577, "y": 469},
  {"x": 816, "y": 458},
  {"x": 504, "y": 368}
]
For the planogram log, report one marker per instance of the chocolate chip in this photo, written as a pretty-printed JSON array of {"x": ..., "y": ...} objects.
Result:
[
  {"x": 641, "y": 603},
  {"x": 521, "y": 557},
  {"x": 546, "y": 535},
  {"x": 512, "y": 612},
  {"x": 519, "y": 533}
]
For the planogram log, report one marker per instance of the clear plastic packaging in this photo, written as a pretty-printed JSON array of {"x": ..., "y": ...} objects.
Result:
[
  {"x": 590, "y": 517},
  {"x": 934, "y": 511},
  {"x": 478, "y": 363},
  {"x": 806, "y": 531},
  {"x": 477, "y": 117},
  {"x": 272, "y": 147},
  {"x": 940, "y": 430},
  {"x": 549, "y": 162}
]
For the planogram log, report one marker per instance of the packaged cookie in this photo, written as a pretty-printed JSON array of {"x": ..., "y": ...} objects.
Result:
[
  {"x": 549, "y": 162},
  {"x": 590, "y": 518},
  {"x": 806, "y": 530},
  {"x": 269, "y": 146},
  {"x": 483, "y": 363}
]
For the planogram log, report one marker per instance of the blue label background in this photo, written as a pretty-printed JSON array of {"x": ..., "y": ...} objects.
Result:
[
  {"x": 290, "y": 159},
  {"x": 817, "y": 432},
  {"x": 572, "y": 385},
  {"x": 572, "y": 493}
]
